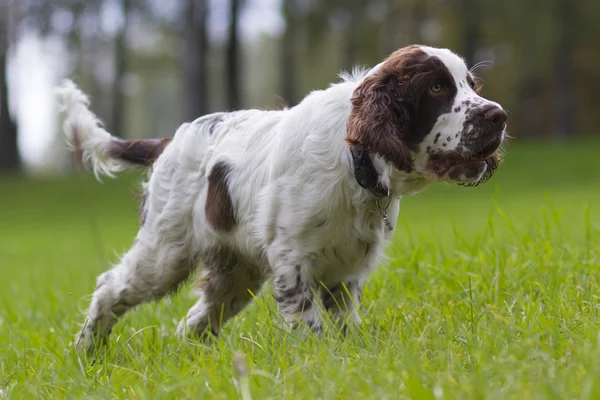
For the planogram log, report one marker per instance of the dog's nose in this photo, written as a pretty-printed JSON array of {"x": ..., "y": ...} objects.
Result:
[{"x": 496, "y": 117}]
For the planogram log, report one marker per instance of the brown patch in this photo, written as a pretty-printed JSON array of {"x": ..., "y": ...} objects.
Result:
[
  {"x": 380, "y": 117},
  {"x": 393, "y": 109},
  {"x": 219, "y": 207},
  {"x": 142, "y": 152},
  {"x": 139, "y": 151}
]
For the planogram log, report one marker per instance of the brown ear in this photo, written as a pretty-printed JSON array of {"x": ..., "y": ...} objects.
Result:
[{"x": 379, "y": 120}]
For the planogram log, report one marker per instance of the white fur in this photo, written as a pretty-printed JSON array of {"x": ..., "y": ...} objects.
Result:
[
  {"x": 300, "y": 214},
  {"x": 82, "y": 125}
]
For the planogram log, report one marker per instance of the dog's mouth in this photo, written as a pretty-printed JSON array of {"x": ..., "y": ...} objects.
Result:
[
  {"x": 471, "y": 170},
  {"x": 487, "y": 158},
  {"x": 489, "y": 164}
]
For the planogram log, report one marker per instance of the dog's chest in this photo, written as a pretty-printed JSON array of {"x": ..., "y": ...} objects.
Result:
[{"x": 347, "y": 247}]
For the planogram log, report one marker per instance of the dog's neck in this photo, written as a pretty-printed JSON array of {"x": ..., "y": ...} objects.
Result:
[{"x": 381, "y": 179}]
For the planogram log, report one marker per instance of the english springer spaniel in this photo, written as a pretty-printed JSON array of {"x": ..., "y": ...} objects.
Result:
[{"x": 307, "y": 195}]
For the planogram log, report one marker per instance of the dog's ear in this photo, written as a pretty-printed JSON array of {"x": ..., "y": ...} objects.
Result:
[{"x": 380, "y": 119}]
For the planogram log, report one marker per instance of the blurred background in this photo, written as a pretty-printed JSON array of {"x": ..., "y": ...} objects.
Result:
[
  {"x": 526, "y": 241},
  {"x": 150, "y": 65}
]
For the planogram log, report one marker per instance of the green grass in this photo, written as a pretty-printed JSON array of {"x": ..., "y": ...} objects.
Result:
[{"x": 489, "y": 293}]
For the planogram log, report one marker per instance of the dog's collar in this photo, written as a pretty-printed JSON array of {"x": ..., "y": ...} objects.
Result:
[
  {"x": 368, "y": 178},
  {"x": 365, "y": 173}
]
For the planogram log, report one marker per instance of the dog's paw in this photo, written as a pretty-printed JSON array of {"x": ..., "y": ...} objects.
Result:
[
  {"x": 200, "y": 332},
  {"x": 85, "y": 342}
]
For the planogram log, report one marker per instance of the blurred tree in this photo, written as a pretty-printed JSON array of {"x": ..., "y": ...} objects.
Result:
[
  {"x": 118, "y": 105},
  {"x": 9, "y": 150},
  {"x": 77, "y": 24},
  {"x": 533, "y": 45},
  {"x": 470, "y": 15},
  {"x": 91, "y": 47},
  {"x": 544, "y": 53},
  {"x": 196, "y": 48},
  {"x": 289, "y": 47},
  {"x": 527, "y": 44},
  {"x": 417, "y": 12},
  {"x": 586, "y": 59},
  {"x": 232, "y": 75},
  {"x": 87, "y": 48},
  {"x": 403, "y": 23},
  {"x": 345, "y": 16},
  {"x": 354, "y": 29},
  {"x": 564, "y": 69},
  {"x": 390, "y": 36}
]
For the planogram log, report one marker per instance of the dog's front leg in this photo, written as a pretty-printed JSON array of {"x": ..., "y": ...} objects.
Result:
[
  {"x": 342, "y": 301},
  {"x": 295, "y": 295}
]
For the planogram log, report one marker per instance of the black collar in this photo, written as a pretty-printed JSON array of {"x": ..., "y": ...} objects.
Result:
[{"x": 365, "y": 173}]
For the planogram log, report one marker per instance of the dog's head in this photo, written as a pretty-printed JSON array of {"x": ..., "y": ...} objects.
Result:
[{"x": 420, "y": 110}]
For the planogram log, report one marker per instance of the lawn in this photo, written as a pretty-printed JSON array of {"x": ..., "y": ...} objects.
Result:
[{"x": 489, "y": 292}]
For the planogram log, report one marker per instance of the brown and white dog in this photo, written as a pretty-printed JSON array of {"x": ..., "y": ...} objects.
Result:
[{"x": 307, "y": 195}]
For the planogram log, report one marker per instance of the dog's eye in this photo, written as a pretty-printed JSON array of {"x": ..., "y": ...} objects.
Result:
[
  {"x": 475, "y": 84},
  {"x": 435, "y": 89}
]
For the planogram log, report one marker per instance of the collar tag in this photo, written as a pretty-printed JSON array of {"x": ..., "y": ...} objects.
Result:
[
  {"x": 383, "y": 212},
  {"x": 368, "y": 178}
]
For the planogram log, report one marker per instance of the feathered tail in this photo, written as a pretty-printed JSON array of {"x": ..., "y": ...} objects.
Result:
[{"x": 84, "y": 132}]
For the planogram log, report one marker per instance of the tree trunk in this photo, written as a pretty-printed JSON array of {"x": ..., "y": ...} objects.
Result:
[
  {"x": 121, "y": 64},
  {"x": 469, "y": 15},
  {"x": 564, "y": 71},
  {"x": 353, "y": 35},
  {"x": 417, "y": 15},
  {"x": 288, "y": 50},
  {"x": 232, "y": 78},
  {"x": 195, "y": 56},
  {"x": 528, "y": 119},
  {"x": 391, "y": 36},
  {"x": 529, "y": 81},
  {"x": 9, "y": 149}
]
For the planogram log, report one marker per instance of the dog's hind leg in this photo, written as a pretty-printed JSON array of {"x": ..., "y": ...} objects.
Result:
[
  {"x": 146, "y": 272},
  {"x": 226, "y": 286}
]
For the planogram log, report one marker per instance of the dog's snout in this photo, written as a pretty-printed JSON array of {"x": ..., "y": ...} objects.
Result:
[
  {"x": 489, "y": 122},
  {"x": 492, "y": 116},
  {"x": 496, "y": 116}
]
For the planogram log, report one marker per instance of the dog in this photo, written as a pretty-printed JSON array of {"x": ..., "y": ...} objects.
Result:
[{"x": 306, "y": 195}]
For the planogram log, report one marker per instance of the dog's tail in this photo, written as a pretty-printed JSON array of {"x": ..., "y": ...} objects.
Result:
[{"x": 84, "y": 132}]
